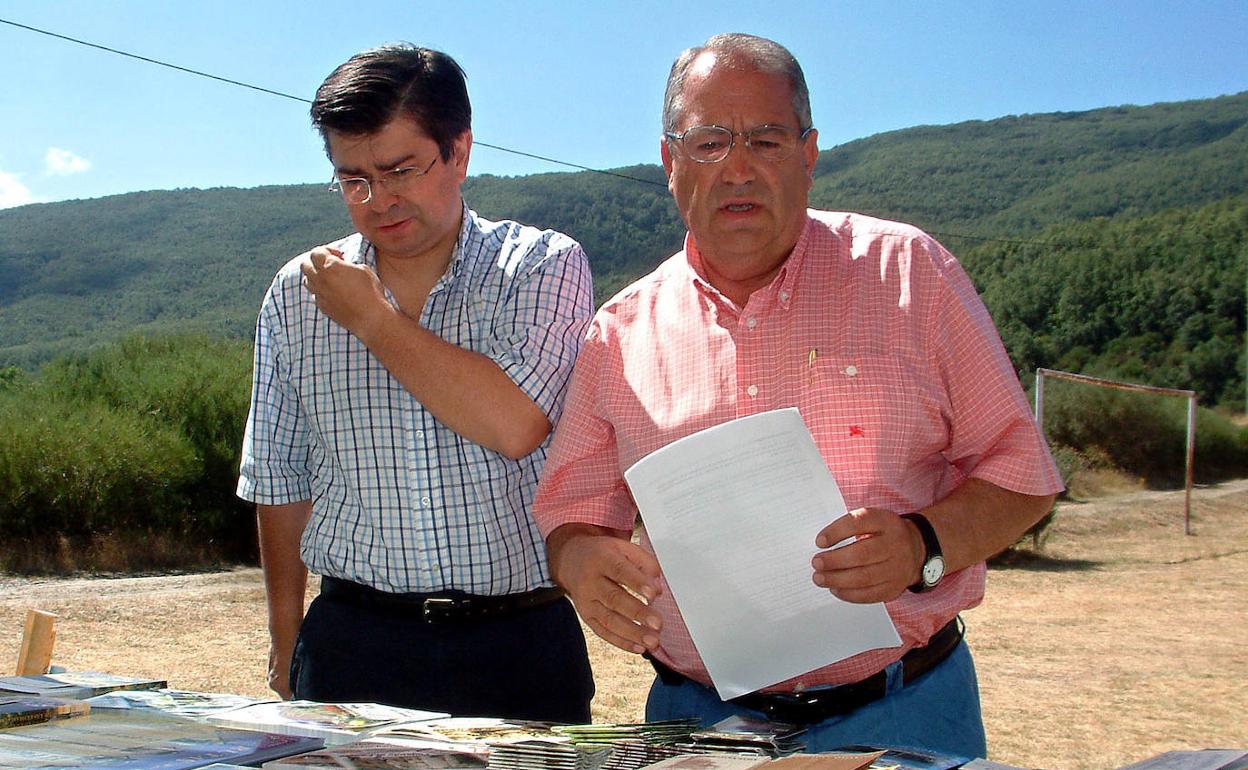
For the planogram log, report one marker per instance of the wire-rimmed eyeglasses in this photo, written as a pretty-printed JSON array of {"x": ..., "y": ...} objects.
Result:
[
  {"x": 711, "y": 144},
  {"x": 358, "y": 190}
]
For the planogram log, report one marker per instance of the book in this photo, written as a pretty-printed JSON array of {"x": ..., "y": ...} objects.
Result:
[
  {"x": 1199, "y": 759},
  {"x": 738, "y": 734},
  {"x": 374, "y": 755},
  {"x": 140, "y": 740},
  {"x": 180, "y": 702},
  {"x": 32, "y": 709},
  {"x": 897, "y": 758},
  {"x": 468, "y": 731},
  {"x": 553, "y": 753},
  {"x": 336, "y": 723},
  {"x": 836, "y": 760},
  {"x": 76, "y": 685},
  {"x": 709, "y": 762},
  {"x": 663, "y": 732}
]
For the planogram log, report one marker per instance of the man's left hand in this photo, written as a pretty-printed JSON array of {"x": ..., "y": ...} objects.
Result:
[
  {"x": 350, "y": 294},
  {"x": 882, "y": 561}
]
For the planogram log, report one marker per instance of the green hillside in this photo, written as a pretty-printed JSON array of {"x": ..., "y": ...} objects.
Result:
[
  {"x": 83, "y": 272},
  {"x": 1111, "y": 239},
  {"x": 1019, "y": 174}
]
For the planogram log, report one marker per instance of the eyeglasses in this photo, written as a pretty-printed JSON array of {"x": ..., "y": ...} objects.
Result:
[
  {"x": 358, "y": 190},
  {"x": 711, "y": 144}
]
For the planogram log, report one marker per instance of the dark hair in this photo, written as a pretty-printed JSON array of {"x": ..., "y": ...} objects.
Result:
[
  {"x": 740, "y": 49},
  {"x": 375, "y": 86}
]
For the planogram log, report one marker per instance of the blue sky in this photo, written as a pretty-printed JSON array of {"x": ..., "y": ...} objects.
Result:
[{"x": 581, "y": 82}]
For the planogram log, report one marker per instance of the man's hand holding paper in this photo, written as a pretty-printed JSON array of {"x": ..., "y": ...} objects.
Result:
[
  {"x": 877, "y": 566},
  {"x": 713, "y": 502}
]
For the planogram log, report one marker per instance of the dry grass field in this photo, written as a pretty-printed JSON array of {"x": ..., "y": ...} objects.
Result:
[{"x": 1120, "y": 638}]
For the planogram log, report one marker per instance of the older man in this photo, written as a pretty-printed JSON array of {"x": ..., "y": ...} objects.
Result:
[
  {"x": 406, "y": 380},
  {"x": 875, "y": 333}
]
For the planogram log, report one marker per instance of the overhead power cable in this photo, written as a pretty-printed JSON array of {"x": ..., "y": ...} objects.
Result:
[
  {"x": 284, "y": 95},
  {"x": 500, "y": 148}
]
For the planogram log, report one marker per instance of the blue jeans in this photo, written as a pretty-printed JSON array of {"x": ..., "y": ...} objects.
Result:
[{"x": 938, "y": 712}]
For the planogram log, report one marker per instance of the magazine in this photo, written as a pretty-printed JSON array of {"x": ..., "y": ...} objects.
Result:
[
  {"x": 140, "y": 740},
  {"x": 336, "y": 723},
  {"x": 374, "y": 755},
  {"x": 76, "y": 685}
]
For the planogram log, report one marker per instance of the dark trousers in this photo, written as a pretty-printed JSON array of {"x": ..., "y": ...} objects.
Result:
[{"x": 527, "y": 664}]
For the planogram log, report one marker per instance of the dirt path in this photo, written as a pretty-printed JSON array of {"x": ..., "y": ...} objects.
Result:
[{"x": 1120, "y": 639}]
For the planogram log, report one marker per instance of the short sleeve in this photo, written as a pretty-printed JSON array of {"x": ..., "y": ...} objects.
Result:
[
  {"x": 539, "y": 327},
  {"x": 274, "y": 468},
  {"x": 582, "y": 481},
  {"x": 993, "y": 436}
]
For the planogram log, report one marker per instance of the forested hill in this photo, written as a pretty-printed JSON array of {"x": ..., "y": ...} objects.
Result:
[
  {"x": 1048, "y": 211},
  {"x": 1016, "y": 175}
]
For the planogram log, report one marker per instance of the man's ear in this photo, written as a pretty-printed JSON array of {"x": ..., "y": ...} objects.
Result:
[
  {"x": 665, "y": 150},
  {"x": 462, "y": 149},
  {"x": 810, "y": 152}
]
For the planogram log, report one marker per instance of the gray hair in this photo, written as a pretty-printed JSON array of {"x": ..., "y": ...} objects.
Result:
[{"x": 758, "y": 52}]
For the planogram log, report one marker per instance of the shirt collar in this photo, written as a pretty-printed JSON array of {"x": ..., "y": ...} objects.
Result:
[{"x": 783, "y": 286}]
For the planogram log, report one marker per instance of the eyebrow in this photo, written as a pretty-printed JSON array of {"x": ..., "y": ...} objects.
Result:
[{"x": 357, "y": 172}]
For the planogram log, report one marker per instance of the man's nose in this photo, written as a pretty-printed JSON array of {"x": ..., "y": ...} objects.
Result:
[
  {"x": 739, "y": 162},
  {"x": 382, "y": 199}
]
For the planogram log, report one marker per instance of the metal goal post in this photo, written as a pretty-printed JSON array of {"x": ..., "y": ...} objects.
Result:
[{"x": 1190, "y": 395}]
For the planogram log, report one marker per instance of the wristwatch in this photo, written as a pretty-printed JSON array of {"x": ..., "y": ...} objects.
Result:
[{"x": 933, "y": 568}]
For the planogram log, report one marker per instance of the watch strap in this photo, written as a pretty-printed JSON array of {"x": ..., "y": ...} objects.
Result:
[{"x": 931, "y": 547}]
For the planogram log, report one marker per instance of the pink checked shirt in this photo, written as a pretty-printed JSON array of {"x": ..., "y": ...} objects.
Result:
[{"x": 872, "y": 330}]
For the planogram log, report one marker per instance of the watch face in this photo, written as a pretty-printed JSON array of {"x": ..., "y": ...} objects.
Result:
[{"x": 933, "y": 571}]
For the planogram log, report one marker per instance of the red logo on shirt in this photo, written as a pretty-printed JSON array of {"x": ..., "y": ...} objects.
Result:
[{"x": 856, "y": 430}]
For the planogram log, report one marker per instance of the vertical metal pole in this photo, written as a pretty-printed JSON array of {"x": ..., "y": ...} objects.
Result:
[
  {"x": 1040, "y": 400},
  {"x": 1191, "y": 455}
]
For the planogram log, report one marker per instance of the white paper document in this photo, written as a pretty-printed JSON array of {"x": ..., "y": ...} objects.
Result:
[{"x": 732, "y": 512}]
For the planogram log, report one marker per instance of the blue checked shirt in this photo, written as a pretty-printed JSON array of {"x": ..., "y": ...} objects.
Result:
[{"x": 400, "y": 502}]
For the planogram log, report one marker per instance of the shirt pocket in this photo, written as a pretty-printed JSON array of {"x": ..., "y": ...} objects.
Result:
[{"x": 874, "y": 417}]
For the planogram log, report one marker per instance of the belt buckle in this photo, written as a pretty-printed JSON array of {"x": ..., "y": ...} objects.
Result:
[
  {"x": 791, "y": 708},
  {"x": 436, "y": 609}
]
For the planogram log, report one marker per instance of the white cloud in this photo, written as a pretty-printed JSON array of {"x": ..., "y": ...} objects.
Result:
[
  {"x": 13, "y": 192},
  {"x": 63, "y": 162}
]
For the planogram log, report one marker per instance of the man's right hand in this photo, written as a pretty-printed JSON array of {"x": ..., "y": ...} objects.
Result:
[
  {"x": 279, "y": 670},
  {"x": 285, "y": 583},
  {"x": 612, "y": 582}
]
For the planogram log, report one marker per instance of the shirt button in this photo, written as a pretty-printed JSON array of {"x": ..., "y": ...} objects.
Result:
[
  {"x": 425, "y": 501},
  {"x": 851, "y": 371},
  {"x": 752, "y": 390},
  {"x": 784, "y": 295},
  {"x": 420, "y": 434},
  {"x": 751, "y": 322}
]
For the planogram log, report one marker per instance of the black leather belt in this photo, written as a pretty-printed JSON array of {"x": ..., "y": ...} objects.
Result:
[
  {"x": 439, "y": 607},
  {"x": 816, "y": 705}
]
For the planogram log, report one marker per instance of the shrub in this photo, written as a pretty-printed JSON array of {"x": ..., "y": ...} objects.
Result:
[
  {"x": 196, "y": 385},
  {"x": 141, "y": 437},
  {"x": 1143, "y": 434},
  {"x": 74, "y": 469}
]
